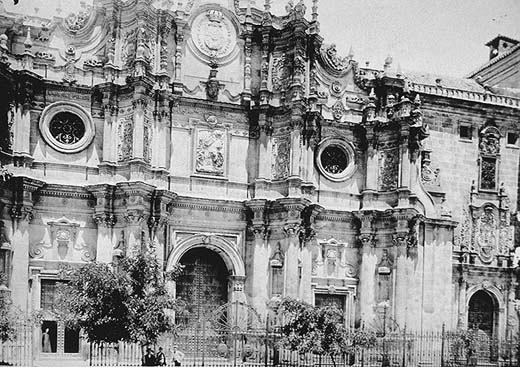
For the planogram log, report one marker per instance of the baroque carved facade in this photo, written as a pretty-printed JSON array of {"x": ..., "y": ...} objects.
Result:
[{"x": 231, "y": 136}]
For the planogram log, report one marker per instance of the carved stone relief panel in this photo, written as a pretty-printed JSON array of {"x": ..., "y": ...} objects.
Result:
[
  {"x": 280, "y": 73},
  {"x": 388, "y": 169},
  {"x": 333, "y": 259},
  {"x": 210, "y": 152},
  {"x": 281, "y": 157},
  {"x": 125, "y": 134},
  {"x": 62, "y": 243}
]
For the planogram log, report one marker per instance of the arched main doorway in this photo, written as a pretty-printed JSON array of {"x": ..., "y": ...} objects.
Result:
[
  {"x": 482, "y": 312},
  {"x": 203, "y": 284}
]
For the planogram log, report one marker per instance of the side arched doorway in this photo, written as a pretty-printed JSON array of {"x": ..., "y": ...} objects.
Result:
[
  {"x": 203, "y": 284},
  {"x": 482, "y": 313}
]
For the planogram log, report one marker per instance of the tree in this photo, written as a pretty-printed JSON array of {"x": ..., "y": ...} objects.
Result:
[
  {"x": 127, "y": 302},
  {"x": 148, "y": 299},
  {"x": 96, "y": 300},
  {"x": 306, "y": 328},
  {"x": 7, "y": 313}
]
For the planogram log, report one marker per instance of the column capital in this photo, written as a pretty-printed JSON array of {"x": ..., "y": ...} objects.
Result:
[
  {"x": 292, "y": 230},
  {"x": 107, "y": 220}
]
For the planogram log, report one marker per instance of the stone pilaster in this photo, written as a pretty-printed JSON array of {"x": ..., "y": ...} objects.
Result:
[
  {"x": 105, "y": 219},
  {"x": 158, "y": 222},
  {"x": 138, "y": 134},
  {"x": 367, "y": 281},
  {"x": 292, "y": 257},
  {"x": 110, "y": 133},
  {"x": 258, "y": 281},
  {"x": 21, "y": 211}
]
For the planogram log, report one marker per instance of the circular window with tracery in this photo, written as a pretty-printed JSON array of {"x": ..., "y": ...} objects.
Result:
[
  {"x": 66, "y": 127},
  {"x": 335, "y": 159}
]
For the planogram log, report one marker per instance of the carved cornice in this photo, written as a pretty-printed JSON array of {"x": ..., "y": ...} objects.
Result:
[{"x": 210, "y": 205}]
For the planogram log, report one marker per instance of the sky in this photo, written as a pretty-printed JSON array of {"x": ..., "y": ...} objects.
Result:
[{"x": 444, "y": 37}]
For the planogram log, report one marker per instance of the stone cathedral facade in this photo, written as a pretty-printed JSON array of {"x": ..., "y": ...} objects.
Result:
[{"x": 243, "y": 146}]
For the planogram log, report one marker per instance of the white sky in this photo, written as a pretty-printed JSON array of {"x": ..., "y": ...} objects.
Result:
[{"x": 443, "y": 37}]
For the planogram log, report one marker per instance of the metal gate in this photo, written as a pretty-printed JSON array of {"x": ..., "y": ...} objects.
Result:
[
  {"x": 202, "y": 286},
  {"x": 230, "y": 335}
]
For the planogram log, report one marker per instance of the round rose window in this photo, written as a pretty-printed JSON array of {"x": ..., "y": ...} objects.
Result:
[
  {"x": 335, "y": 159},
  {"x": 67, "y": 128}
]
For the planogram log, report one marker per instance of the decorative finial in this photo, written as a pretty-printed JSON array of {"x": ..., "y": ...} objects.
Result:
[
  {"x": 290, "y": 6},
  {"x": 28, "y": 42},
  {"x": 388, "y": 62},
  {"x": 399, "y": 73},
  {"x": 314, "y": 10},
  {"x": 350, "y": 53},
  {"x": 417, "y": 100},
  {"x": 267, "y": 6},
  {"x": 367, "y": 63}
]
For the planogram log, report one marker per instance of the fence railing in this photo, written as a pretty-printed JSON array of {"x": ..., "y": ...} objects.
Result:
[
  {"x": 203, "y": 346},
  {"x": 18, "y": 351}
]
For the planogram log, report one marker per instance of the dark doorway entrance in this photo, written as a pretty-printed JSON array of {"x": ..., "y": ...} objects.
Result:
[
  {"x": 71, "y": 342},
  {"x": 481, "y": 313},
  {"x": 202, "y": 285},
  {"x": 49, "y": 336}
]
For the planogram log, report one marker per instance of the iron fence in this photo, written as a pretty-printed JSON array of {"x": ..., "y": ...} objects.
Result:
[
  {"x": 18, "y": 351},
  {"x": 208, "y": 347}
]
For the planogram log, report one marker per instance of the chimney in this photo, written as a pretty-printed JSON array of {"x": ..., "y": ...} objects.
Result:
[{"x": 499, "y": 45}]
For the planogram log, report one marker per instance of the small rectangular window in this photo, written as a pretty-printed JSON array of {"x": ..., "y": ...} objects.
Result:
[
  {"x": 512, "y": 138},
  {"x": 465, "y": 132}
]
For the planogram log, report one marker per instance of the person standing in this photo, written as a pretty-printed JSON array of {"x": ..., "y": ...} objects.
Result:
[
  {"x": 160, "y": 359},
  {"x": 149, "y": 358},
  {"x": 46, "y": 342},
  {"x": 178, "y": 356}
]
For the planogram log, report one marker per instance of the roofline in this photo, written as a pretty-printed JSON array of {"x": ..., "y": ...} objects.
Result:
[
  {"x": 494, "y": 60},
  {"x": 505, "y": 38}
]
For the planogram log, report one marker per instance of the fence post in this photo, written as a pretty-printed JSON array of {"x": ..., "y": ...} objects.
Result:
[
  {"x": 404, "y": 346},
  {"x": 266, "y": 347},
  {"x": 442, "y": 344}
]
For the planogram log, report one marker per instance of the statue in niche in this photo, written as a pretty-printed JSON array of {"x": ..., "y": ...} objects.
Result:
[
  {"x": 486, "y": 227},
  {"x": 4, "y": 238}
]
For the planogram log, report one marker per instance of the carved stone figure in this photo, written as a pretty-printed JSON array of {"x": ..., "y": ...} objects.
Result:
[
  {"x": 281, "y": 158},
  {"x": 329, "y": 55},
  {"x": 388, "y": 169},
  {"x": 70, "y": 65},
  {"x": 210, "y": 152},
  {"x": 125, "y": 137}
]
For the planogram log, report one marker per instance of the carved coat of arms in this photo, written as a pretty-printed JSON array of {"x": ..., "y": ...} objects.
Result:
[{"x": 214, "y": 35}]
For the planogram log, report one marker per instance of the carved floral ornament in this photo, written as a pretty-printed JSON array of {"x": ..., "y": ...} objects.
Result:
[
  {"x": 214, "y": 36},
  {"x": 75, "y": 22},
  {"x": 335, "y": 159},
  {"x": 66, "y": 127}
]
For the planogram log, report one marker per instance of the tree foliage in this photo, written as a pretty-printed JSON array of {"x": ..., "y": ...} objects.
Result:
[
  {"x": 318, "y": 330},
  {"x": 127, "y": 302},
  {"x": 96, "y": 300},
  {"x": 306, "y": 328},
  {"x": 7, "y": 314}
]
